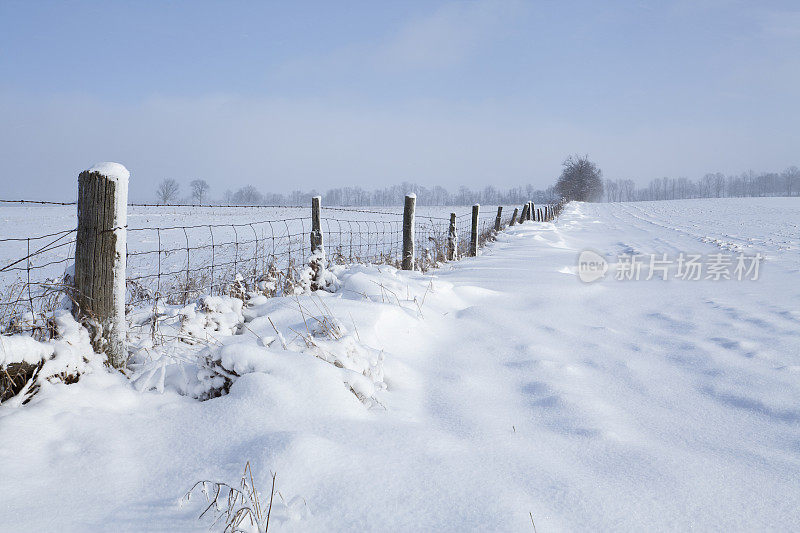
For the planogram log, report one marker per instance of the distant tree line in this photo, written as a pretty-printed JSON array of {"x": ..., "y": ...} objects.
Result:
[
  {"x": 712, "y": 185},
  {"x": 168, "y": 192},
  {"x": 580, "y": 179}
]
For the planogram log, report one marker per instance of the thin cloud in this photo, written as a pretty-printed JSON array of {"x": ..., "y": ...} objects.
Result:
[{"x": 448, "y": 36}]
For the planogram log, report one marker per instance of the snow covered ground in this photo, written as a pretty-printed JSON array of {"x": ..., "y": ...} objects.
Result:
[{"x": 486, "y": 393}]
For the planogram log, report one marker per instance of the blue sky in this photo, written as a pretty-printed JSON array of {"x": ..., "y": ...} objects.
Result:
[{"x": 289, "y": 95}]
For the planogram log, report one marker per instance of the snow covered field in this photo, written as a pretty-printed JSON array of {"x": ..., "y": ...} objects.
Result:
[{"x": 492, "y": 391}]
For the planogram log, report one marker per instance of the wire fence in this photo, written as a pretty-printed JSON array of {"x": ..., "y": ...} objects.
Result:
[{"x": 173, "y": 265}]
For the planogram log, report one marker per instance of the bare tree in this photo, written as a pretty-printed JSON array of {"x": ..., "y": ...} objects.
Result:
[
  {"x": 791, "y": 178},
  {"x": 248, "y": 195},
  {"x": 199, "y": 190},
  {"x": 580, "y": 180},
  {"x": 719, "y": 184},
  {"x": 167, "y": 191}
]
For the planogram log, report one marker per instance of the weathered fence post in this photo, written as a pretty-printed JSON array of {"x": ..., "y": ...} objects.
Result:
[
  {"x": 523, "y": 214},
  {"x": 532, "y": 212},
  {"x": 408, "y": 232},
  {"x": 452, "y": 244},
  {"x": 100, "y": 250},
  {"x": 316, "y": 223},
  {"x": 473, "y": 240},
  {"x": 498, "y": 218},
  {"x": 514, "y": 216},
  {"x": 539, "y": 214}
]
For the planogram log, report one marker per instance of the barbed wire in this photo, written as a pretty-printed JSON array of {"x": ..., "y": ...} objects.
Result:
[{"x": 38, "y": 202}]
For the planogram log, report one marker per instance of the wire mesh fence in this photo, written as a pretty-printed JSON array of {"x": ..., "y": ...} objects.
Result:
[
  {"x": 170, "y": 264},
  {"x": 33, "y": 284}
]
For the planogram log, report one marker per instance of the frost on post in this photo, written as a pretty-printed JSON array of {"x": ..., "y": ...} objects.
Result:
[
  {"x": 99, "y": 297},
  {"x": 316, "y": 275}
]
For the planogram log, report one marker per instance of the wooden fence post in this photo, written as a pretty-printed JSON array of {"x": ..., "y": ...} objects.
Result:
[
  {"x": 316, "y": 223},
  {"x": 514, "y": 216},
  {"x": 523, "y": 214},
  {"x": 498, "y": 219},
  {"x": 100, "y": 250},
  {"x": 452, "y": 243},
  {"x": 532, "y": 211},
  {"x": 473, "y": 241},
  {"x": 408, "y": 232}
]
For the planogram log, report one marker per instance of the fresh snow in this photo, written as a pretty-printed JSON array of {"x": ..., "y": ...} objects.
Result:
[
  {"x": 490, "y": 391},
  {"x": 114, "y": 171}
]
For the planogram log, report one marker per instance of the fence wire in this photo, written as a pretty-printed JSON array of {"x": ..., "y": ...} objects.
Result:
[{"x": 173, "y": 265}]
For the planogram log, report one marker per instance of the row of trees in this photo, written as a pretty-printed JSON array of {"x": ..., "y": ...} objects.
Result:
[
  {"x": 712, "y": 185},
  {"x": 168, "y": 192},
  {"x": 580, "y": 179}
]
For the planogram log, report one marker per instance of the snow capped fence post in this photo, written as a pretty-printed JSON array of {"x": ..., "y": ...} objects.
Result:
[
  {"x": 408, "y": 232},
  {"x": 100, "y": 251},
  {"x": 473, "y": 238},
  {"x": 316, "y": 224},
  {"x": 498, "y": 219},
  {"x": 514, "y": 216},
  {"x": 452, "y": 245}
]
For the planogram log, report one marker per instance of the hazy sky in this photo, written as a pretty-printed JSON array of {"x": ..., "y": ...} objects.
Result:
[{"x": 288, "y": 95}]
